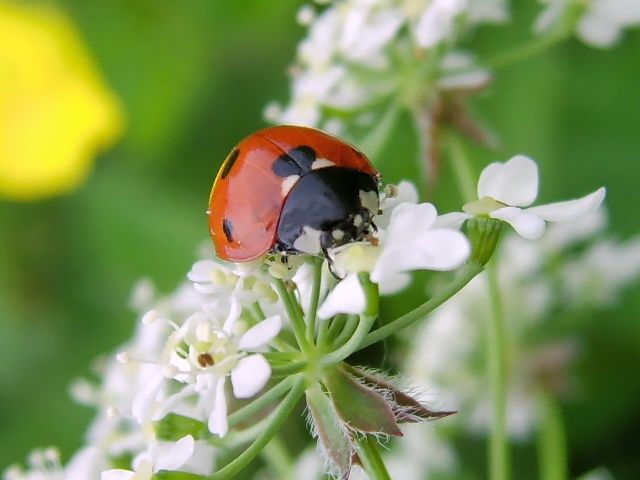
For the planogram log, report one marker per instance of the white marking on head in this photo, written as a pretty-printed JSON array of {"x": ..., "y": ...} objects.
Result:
[
  {"x": 321, "y": 163},
  {"x": 337, "y": 234},
  {"x": 308, "y": 241},
  {"x": 358, "y": 220},
  {"x": 288, "y": 183},
  {"x": 369, "y": 200}
]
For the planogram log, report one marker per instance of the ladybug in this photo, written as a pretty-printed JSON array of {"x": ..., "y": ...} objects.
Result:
[{"x": 291, "y": 190}]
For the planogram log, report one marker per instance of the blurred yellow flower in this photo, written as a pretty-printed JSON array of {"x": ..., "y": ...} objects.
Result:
[{"x": 56, "y": 113}]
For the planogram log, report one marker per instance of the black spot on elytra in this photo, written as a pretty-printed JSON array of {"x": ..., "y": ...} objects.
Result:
[
  {"x": 296, "y": 161},
  {"x": 227, "y": 228},
  {"x": 229, "y": 162}
]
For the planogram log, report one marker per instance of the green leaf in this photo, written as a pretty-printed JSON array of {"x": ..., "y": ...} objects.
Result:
[
  {"x": 407, "y": 409},
  {"x": 360, "y": 407},
  {"x": 173, "y": 427},
  {"x": 332, "y": 436}
]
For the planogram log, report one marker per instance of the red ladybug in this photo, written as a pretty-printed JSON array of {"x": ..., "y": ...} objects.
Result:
[{"x": 291, "y": 190}]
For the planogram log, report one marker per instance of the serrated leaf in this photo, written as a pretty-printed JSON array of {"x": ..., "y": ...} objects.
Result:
[
  {"x": 409, "y": 409},
  {"x": 360, "y": 407},
  {"x": 332, "y": 437}
]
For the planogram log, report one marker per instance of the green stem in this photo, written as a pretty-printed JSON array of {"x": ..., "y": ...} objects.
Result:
[
  {"x": 292, "y": 368},
  {"x": 296, "y": 320},
  {"x": 367, "y": 319},
  {"x": 524, "y": 51},
  {"x": 497, "y": 363},
  {"x": 371, "y": 459},
  {"x": 336, "y": 325},
  {"x": 261, "y": 402},
  {"x": 279, "y": 416},
  {"x": 323, "y": 332},
  {"x": 552, "y": 444},
  {"x": 460, "y": 163},
  {"x": 347, "y": 330},
  {"x": 470, "y": 270},
  {"x": 279, "y": 342},
  {"x": 354, "y": 343},
  {"x": 315, "y": 298},
  {"x": 372, "y": 144},
  {"x": 278, "y": 458}
]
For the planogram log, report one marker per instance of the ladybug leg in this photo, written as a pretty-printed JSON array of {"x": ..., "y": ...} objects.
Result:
[{"x": 330, "y": 264}]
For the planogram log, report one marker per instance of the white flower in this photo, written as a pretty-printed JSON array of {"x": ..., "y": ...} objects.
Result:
[
  {"x": 436, "y": 23},
  {"x": 601, "y": 23},
  {"x": 200, "y": 355},
  {"x": 159, "y": 456},
  {"x": 504, "y": 188},
  {"x": 408, "y": 239},
  {"x": 217, "y": 282}
]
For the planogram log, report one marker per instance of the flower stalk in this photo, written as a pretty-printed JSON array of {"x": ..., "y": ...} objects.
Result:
[{"x": 498, "y": 380}]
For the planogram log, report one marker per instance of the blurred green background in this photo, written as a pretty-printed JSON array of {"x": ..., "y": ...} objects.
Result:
[{"x": 193, "y": 78}]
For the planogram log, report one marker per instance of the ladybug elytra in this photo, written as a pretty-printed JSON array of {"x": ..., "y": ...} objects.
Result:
[{"x": 291, "y": 190}]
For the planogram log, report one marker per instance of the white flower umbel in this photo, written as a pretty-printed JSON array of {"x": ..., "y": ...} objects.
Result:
[
  {"x": 504, "y": 189},
  {"x": 408, "y": 240},
  {"x": 159, "y": 456},
  {"x": 600, "y": 22},
  {"x": 200, "y": 355}
]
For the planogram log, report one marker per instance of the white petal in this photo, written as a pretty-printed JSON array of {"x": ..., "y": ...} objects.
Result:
[
  {"x": 261, "y": 334},
  {"x": 86, "y": 463},
  {"x": 442, "y": 250},
  {"x": 393, "y": 282},
  {"x": 598, "y": 31},
  {"x": 436, "y": 23},
  {"x": 346, "y": 297},
  {"x": 234, "y": 311},
  {"x": 438, "y": 249},
  {"x": 202, "y": 461},
  {"x": 218, "y": 418},
  {"x": 250, "y": 375},
  {"x": 525, "y": 224},
  {"x": 117, "y": 475},
  {"x": 172, "y": 456},
  {"x": 571, "y": 209},
  {"x": 514, "y": 182},
  {"x": 451, "y": 220},
  {"x": 409, "y": 220},
  {"x": 145, "y": 400}
]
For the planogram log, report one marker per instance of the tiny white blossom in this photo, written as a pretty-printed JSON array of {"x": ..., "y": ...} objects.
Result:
[
  {"x": 505, "y": 188},
  {"x": 159, "y": 456},
  {"x": 436, "y": 23},
  {"x": 600, "y": 24},
  {"x": 200, "y": 355}
]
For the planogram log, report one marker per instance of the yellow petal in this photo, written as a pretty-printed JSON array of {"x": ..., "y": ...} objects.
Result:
[{"x": 56, "y": 113}]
